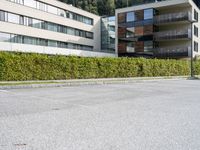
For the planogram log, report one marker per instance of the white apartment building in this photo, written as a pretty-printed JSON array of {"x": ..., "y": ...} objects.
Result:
[
  {"x": 159, "y": 28},
  {"x": 49, "y": 27}
]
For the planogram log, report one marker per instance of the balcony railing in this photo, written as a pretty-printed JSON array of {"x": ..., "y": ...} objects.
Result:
[
  {"x": 173, "y": 17},
  {"x": 173, "y": 34},
  {"x": 170, "y": 52}
]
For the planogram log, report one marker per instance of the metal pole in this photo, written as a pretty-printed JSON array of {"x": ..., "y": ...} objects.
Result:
[{"x": 191, "y": 59}]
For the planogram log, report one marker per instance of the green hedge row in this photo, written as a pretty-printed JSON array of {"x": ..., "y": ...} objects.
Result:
[{"x": 20, "y": 66}]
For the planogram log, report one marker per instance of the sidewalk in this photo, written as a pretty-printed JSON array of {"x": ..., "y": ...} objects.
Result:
[{"x": 78, "y": 82}]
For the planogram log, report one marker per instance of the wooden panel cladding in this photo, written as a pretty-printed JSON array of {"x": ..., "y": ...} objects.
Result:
[
  {"x": 121, "y": 32},
  {"x": 139, "y": 46},
  {"x": 139, "y": 31},
  {"x": 148, "y": 30},
  {"x": 121, "y": 17},
  {"x": 122, "y": 47},
  {"x": 139, "y": 15}
]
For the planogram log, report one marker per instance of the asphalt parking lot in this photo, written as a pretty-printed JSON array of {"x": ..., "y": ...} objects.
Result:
[{"x": 145, "y": 115}]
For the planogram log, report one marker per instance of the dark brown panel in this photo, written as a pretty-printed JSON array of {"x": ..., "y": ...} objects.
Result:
[
  {"x": 121, "y": 32},
  {"x": 139, "y": 15},
  {"x": 139, "y": 46},
  {"x": 148, "y": 30},
  {"x": 121, "y": 17},
  {"x": 122, "y": 47},
  {"x": 139, "y": 31}
]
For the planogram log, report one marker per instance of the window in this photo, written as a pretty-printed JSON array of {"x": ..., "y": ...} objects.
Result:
[
  {"x": 70, "y": 31},
  {"x": 4, "y": 37},
  {"x": 61, "y": 12},
  {"x": 148, "y": 14},
  {"x": 30, "y": 3},
  {"x": 52, "y": 27},
  {"x": 42, "y": 6},
  {"x": 130, "y": 32},
  {"x": 21, "y": 20},
  {"x": 13, "y": 18},
  {"x": 87, "y": 20},
  {"x": 52, "y": 43},
  {"x": 3, "y": 16},
  {"x": 148, "y": 46},
  {"x": 130, "y": 48},
  {"x": 52, "y": 9},
  {"x": 69, "y": 15},
  {"x": 37, "y": 23},
  {"x": 43, "y": 42},
  {"x": 62, "y": 44},
  {"x": 80, "y": 18},
  {"x": 196, "y": 46},
  {"x": 89, "y": 35},
  {"x": 16, "y": 38},
  {"x": 196, "y": 31},
  {"x": 18, "y": 1},
  {"x": 130, "y": 16},
  {"x": 111, "y": 28},
  {"x": 196, "y": 15}
]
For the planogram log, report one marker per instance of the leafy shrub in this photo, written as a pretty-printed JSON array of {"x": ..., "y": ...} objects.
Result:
[{"x": 23, "y": 66}]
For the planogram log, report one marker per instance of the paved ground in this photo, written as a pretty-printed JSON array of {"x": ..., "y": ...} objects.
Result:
[{"x": 148, "y": 115}]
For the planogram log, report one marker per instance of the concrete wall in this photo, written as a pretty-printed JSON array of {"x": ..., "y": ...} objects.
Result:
[
  {"x": 12, "y": 47},
  {"x": 39, "y": 33}
]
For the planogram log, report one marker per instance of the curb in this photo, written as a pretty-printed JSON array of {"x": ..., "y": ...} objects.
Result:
[{"x": 79, "y": 82}]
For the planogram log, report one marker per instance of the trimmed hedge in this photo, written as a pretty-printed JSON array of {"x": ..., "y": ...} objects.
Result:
[{"x": 21, "y": 66}]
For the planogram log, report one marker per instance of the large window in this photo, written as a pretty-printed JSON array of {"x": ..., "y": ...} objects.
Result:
[
  {"x": 16, "y": 38},
  {"x": 54, "y": 10},
  {"x": 52, "y": 27},
  {"x": 61, "y": 12},
  {"x": 130, "y": 16},
  {"x": 130, "y": 32},
  {"x": 3, "y": 16},
  {"x": 30, "y": 3},
  {"x": 52, "y": 43},
  {"x": 36, "y": 23},
  {"x": 196, "y": 31},
  {"x": 18, "y": 1},
  {"x": 196, "y": 15},
  {"x": 148, "y": 46},
  {"x": 4, "y": 37},
  {"x": 196, "y": 46},
  {"x": 41, "y": 6},
  {"x": 13, "y": 18},
  {"x": 148, "y": 14}
]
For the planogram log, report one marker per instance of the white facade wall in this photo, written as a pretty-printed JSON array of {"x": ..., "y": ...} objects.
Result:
[{"x": 51, "y": 35}]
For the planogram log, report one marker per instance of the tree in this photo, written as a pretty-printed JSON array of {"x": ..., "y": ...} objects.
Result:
[{"x": 106, "y": 7}]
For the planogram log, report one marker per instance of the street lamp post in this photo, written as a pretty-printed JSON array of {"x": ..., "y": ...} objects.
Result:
[{"x": 192, "y": 48}]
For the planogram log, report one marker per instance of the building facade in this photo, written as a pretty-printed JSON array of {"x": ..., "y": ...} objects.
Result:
[
  {"x": 108, "y": 33},
  {"x": 158, "y": 28},
  {"x": 49, "y": 27}
]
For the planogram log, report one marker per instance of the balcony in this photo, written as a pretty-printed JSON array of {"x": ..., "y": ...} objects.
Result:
[
  {"x": 173, "y": 17},
  {"x": 172, "y": 52},
  {"x": 180, "y": 34}
]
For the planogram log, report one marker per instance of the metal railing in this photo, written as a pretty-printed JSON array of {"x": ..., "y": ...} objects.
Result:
[
  {"x": 173, "y": 17},
  {"x": 176, "y": 51},
  {"x": 173, "y": 34}
]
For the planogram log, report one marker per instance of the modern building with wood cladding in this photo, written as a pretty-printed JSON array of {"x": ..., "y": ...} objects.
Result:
[
  {"x": 159, "y": 28},
  {"x": 49, "y": 27}
]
